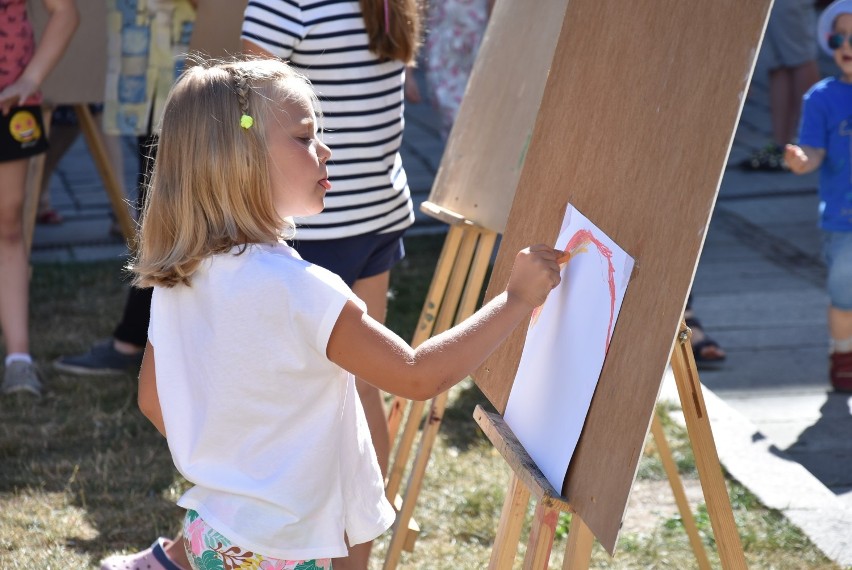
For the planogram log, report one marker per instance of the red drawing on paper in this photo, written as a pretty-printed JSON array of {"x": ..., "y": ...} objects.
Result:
[{"x": 577, "y": 245}]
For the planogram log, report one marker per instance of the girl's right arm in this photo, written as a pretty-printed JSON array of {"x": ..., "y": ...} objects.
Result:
[{"x": 373, "y": 353}]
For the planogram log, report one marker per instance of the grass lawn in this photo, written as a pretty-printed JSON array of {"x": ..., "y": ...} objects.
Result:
[{"x": 83, "y": 474}]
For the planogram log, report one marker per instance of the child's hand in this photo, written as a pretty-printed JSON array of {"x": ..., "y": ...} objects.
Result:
[
  {"x": 796, "y": 159},
  {"x": 16, "y": 94},
  {"x": 534, "y": 274}
]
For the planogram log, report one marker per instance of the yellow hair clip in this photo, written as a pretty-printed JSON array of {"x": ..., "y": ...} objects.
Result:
[{"x": 246, "y": 121}]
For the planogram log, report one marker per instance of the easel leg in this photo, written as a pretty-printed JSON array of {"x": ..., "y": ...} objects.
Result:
[
  {"x": 511, "y": 523},
  {"x": 679, "y": 494},
  {"x": 578, "y": 552},
  {"x": 113, "y": 190},
  {"x": 706, "y": 457},
  {"x": 459, "y": 302},
  {"x": 425, "y": 327},
  {"x": 415, "y": 481},
  {"x": 540, "y": 543}
]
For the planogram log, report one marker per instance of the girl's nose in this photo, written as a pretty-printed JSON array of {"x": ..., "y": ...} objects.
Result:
[{"x": 325, "y": 152}]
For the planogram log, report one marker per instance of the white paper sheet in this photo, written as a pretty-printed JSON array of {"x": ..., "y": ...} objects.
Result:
[{"x": 565, "y": 347}]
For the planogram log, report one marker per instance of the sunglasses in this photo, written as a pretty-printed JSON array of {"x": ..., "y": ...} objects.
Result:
[{"x": 835, "y": 41}]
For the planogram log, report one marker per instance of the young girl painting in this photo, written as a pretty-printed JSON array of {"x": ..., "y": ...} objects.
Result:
[{"x": 252, "y": 352}]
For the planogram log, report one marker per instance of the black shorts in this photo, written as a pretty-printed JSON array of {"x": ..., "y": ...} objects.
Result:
[
  {"x": 354, "y": 258},
  {"x": 22, "y": 133}
]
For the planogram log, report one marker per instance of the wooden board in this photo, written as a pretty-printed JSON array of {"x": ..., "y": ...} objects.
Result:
[
  {"x": 485, "y": 152},
  {"x": 80, "y": 75},
  {"x": 634, "y": 130},
  {"x": 217, "y": 28}
]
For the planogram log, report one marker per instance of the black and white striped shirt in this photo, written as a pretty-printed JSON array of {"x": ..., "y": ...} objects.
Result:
[{"x": 362, "y": 103}]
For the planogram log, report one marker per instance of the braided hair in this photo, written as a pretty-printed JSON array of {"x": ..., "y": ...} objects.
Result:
[{"x": 242, "y": 88}]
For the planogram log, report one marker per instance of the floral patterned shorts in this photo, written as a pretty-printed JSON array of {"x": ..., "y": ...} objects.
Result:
[{"x": 209, "y": 550}]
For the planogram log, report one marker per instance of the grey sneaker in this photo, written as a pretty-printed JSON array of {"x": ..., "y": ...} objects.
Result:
[
  {"x": 100, "y": 360},
  {"x": 22, "y": 377}
]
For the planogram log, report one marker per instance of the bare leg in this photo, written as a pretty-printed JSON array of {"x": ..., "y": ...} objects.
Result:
[
  {"x": 374, "y": 292},
  {"x": 14, "y": 273},
  {"x": 839, "y": 324},
  {"x": 781, "y": 103},
  {"x": 177, "y": 552}
]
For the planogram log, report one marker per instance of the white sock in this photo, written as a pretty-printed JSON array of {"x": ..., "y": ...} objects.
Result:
[
  {"x": 18, "y": 357},
  {"x": 844, "y": 345}
]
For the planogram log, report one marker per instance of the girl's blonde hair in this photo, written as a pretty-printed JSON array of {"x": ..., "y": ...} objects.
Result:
[
  {"x": 210, "y": 188},
  {"x": 394, "y": 34}
]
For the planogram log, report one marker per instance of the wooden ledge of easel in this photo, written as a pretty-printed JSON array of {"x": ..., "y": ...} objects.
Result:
[
  {"x": 525, "y": 469},
  {"x": 444, "y": 215}
]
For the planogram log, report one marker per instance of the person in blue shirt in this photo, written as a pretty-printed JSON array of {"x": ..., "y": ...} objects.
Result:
[{"x": 824, "y": 144}]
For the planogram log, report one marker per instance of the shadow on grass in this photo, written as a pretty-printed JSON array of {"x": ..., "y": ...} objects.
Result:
[
  {"x": 459, "y": 427},
  {"x": 85, "y": 444},
  {"x": 85, "y": 447}
]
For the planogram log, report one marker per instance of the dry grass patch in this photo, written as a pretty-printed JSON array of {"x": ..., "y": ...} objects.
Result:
[{"x": 83, "y": 474}]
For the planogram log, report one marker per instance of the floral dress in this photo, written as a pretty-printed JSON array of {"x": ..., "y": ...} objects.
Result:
[
  {"x": 455, "y": 30},
  {"x": 207, "y": 549}
]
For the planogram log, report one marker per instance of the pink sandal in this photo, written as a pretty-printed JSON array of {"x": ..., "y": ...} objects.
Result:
[{"x": 153, "y": 558}]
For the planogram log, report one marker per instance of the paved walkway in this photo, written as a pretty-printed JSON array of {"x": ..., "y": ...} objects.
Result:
[{"x": 759, "y": 290}]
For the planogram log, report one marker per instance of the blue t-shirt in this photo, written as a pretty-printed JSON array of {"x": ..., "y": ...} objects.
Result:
[{"x": 827, "y": 124}]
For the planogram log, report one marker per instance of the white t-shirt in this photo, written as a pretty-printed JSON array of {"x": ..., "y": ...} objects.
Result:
[
  {"x": 361, "y": 99},
  {"x": 268, "y": 429}
]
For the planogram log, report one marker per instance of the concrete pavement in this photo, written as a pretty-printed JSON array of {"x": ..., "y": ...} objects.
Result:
[{"x": 759, "y": 291}]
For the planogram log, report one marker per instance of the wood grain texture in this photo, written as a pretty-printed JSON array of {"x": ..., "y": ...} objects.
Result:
[
  {"x": 634, "y": 129},
  {"x": 506, "y": 443},
  {"x": 484, "y": 155}
]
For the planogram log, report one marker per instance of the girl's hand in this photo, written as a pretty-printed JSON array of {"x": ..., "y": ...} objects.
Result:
[
  {"x": 534, "y": 274},
  {"x": 796, "y": 159},
  {"x": 16, "y": 94}
]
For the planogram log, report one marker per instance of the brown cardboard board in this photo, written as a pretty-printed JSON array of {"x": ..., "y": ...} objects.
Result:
[
  {"x": 217, "y": 28},
  {"x": 80, "y": 75},
  {"x": 634, "y": 130},
  {"x": 485, "y": 152}
]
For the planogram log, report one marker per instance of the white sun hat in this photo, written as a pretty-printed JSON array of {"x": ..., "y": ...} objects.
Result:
[{"x": 826, "y": 22}]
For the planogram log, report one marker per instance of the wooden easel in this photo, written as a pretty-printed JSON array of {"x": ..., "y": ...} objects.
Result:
[
  {"x": 95, "y": 143},
  {"x": 452, "y": 297},
  {"x": 528, "y": 481}
]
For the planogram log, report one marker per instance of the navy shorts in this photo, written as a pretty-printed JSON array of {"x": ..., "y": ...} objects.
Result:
[
  {"x": 790, "y": 39},
  {"x": 22, "y": 133},
  {"x": 354, "y": 258}
]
